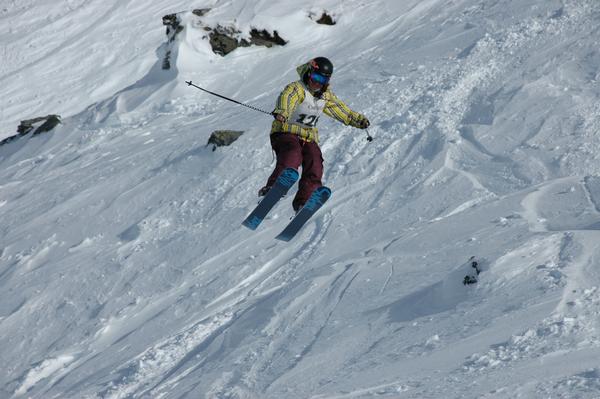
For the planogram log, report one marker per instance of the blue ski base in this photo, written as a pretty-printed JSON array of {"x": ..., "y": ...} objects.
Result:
[
  {"x": 314, "y": 203},
  {"x": 284, "y": 182}
]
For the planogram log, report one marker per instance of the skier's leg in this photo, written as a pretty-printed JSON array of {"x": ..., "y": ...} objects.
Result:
[
  {"x": 289, "y": 155},
  {"x": 312, "y": 172}
]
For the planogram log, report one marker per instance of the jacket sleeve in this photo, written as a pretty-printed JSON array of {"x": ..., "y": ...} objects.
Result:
[
  {"x": 336, "y": 109},
  {"x": 288, "y": 100}
]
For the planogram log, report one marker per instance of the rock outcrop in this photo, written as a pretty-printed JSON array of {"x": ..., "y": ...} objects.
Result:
[
  {"x": 221, "y": 138},
  {"x": 324, "y": 19},
  {"x": 36, "y": 125},
  {"x": 223, "y": 38}
]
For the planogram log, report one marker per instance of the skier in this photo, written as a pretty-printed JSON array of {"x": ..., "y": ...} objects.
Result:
[{"x": 294, "y": 136}]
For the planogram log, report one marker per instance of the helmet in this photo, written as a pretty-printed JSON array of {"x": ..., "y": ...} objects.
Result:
[{"x": 322, "y": 66}]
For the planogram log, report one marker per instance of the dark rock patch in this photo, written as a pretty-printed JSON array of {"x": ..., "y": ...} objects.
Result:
[
  {"x": 174, "y": 27},
  {"x": 221, "y": 138},
  {"x": 200, "y": 11},
  {"x": 324, "y": 19},
  {"x": 36, "y": 125},
  {"x": 264, "y": 38},
  {"x": 222, "y": 38}
]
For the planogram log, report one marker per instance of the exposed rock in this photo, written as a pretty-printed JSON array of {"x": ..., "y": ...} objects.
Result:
[
  {"x": 264, "y": 38},
  {"x": 221, "y": 138},
  {"x": 200, "y": 11},
  {"x": 223, "y": 39},
  {"x": 166, "y": 64},
  {"x": 324, "y": 19},
  {"x": 37, "y": 125},
  {"x": 9, "y": 139},
  {"x": 173, "y": 25},
  {"x": 51, "y": 121}
]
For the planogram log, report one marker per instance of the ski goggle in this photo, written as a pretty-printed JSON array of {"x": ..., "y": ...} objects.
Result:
[{"x": 318, "y": 78}]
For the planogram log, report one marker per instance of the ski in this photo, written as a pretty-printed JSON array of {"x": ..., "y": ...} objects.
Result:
[
  {"x": 316, "y": 201},
  {"x": 286, "y": 179}
]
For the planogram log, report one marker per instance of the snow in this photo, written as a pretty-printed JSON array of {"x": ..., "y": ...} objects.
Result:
[{"x": 125, "y": 271}]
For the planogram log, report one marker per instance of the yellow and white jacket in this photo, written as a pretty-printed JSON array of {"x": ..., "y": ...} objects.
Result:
[{"x": 302, "y": 110}]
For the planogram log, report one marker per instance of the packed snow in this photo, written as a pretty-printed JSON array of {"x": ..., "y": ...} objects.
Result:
[{"x": 125, "y": 271}]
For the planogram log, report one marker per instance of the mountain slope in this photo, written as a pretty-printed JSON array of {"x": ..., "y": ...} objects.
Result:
[{"x": 124, "y": 271}]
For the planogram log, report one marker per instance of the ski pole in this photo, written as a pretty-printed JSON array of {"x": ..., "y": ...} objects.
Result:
[{"x": 229, "y": 99}]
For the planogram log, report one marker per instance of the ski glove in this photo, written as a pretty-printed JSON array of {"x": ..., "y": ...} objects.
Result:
[
  {"x": 280, "y": 118},
  {"x": 362, "y": 122}
]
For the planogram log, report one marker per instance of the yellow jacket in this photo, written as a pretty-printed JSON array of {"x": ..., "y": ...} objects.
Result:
[{"x": 294, "y": 94}]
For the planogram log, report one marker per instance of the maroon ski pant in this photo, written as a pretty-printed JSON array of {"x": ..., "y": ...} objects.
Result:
[{"x": 293, "y": 152}]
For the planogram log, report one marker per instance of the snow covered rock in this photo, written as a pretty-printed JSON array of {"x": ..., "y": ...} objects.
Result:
[
  {"x": 37, "y": 125},
  {"x": 41, "y": 124},
  {"x": 224, "y": 37}
]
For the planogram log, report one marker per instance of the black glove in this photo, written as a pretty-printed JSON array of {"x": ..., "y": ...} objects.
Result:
[
  {"x": 363, "y": 122},
  {"x": 280, "y": 118}
]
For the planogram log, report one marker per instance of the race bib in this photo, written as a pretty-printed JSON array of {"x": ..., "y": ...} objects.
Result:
[{"x": 308, "y": 112}]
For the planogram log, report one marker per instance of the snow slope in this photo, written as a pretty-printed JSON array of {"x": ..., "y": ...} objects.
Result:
[{"x": 125, "y": 273}]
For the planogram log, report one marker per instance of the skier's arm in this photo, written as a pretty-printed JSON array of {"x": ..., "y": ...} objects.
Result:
[
  {"x": 336, "y": 109},
  {"x": 287, "y": 101}
]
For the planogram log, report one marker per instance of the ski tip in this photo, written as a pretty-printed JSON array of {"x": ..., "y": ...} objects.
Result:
[
  {"x": 252, "y": 223},
  {"x": 325, "y": 190},
  {"x": 284, "y": 238}
]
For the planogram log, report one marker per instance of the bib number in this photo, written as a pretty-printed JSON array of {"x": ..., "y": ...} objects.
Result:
[{"x": 308, "y": 120}]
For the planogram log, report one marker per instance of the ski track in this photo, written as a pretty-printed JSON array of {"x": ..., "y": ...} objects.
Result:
[{"x": 164, "y": 361}]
